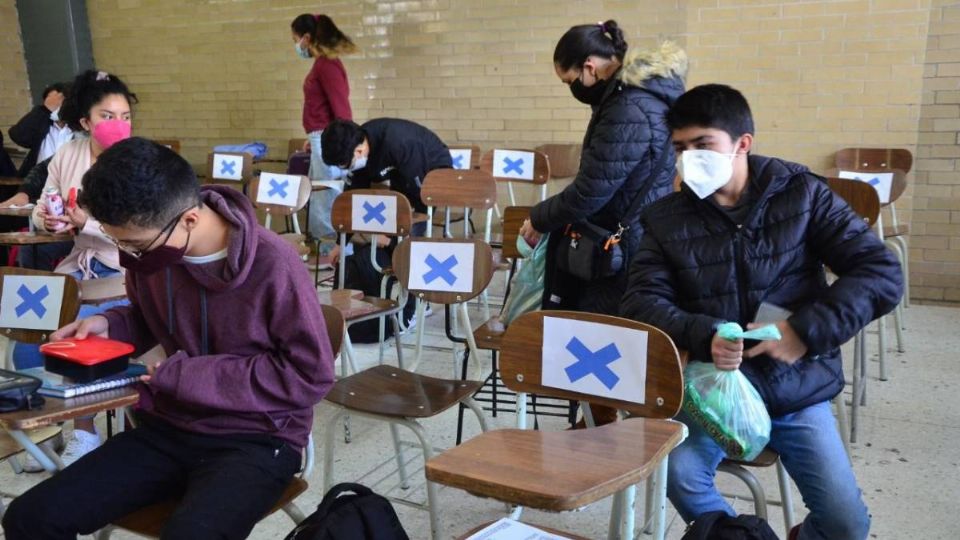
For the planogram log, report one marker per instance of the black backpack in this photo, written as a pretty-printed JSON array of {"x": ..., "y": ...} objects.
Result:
[
  {"x": 720, "y": 526},
  {"x": 351, "y": 512}
]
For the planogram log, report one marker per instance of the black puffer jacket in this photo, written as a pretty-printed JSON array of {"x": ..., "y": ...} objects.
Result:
[
  {"x": 625, "y": 139},
  {"x": 696, "y": 269}
]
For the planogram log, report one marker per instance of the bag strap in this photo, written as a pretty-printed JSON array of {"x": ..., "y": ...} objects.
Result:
[
  {"x": 635, "y": 204},
  {"x": 331, "y": 497}
]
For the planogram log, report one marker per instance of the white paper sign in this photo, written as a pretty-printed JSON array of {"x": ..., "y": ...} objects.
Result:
[
  {"x": 227, "y": 167},
  {"x": 461, "y": 157},
  {"x": 443, "y": 267},
  {"x": 31, "y": 302},
  {"x": 513, "y": 164},
  {"x": 374, "y": 213},
  {"x": 508, "y": 529},
  {"x": 596, "y": 359},
  {"x": 881, "y": 181},
  {"x": 282, "y": 189}
]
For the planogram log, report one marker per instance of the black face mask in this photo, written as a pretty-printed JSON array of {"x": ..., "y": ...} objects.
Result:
[{"x": 591, "y": 95}]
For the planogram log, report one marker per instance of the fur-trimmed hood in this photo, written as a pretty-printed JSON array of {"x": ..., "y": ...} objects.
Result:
[{"x": 660, "y": 70}]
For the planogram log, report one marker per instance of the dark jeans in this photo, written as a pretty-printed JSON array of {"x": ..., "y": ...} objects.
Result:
[
  {"x": 226, "y": 485},
  {"x": 47, "y": 255}
]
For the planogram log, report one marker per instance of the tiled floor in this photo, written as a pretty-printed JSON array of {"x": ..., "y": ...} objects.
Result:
[{"x": 907, "y": 460}]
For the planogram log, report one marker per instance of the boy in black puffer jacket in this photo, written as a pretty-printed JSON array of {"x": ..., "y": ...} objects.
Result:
[{"x": 749, "y": 230}]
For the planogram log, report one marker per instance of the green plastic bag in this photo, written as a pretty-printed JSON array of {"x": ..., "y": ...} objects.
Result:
[
  {"x": 526, "y": 287},
  {"x": 728, "y": 407}
]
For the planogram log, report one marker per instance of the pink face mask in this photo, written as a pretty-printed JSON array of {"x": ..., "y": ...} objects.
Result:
[{"x": 109, "y": 132}]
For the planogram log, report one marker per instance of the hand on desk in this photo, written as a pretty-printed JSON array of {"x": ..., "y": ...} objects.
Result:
[{"x": 98, "y": 325}]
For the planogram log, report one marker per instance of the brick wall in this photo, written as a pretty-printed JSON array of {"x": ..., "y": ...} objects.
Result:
[
  {"x": 935, "y": 238},
  {"x": 820, "y": 75},
  {"x": 14, "y": 85}
]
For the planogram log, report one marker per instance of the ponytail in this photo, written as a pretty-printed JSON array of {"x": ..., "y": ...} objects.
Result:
[
  {"x": 326, "y": 39},
  {"x": 604, "y": 39}
]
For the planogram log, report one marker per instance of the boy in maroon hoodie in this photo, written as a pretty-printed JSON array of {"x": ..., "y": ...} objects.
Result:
[{"x": 222, "y": 422}]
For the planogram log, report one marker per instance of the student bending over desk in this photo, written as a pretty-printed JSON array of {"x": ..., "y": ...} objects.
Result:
[{"x": 223, "y": 420}]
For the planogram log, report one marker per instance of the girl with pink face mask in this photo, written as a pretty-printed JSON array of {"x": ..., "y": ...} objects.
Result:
[{"x": 99, "y": 106}]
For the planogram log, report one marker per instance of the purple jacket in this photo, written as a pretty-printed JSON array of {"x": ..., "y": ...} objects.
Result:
[{"x": 247, "y": 348}]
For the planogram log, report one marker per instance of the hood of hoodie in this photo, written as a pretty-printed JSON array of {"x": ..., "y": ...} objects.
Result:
[
  {"x": 234, "y": 207},
  {"x": 660, "y": 70}
]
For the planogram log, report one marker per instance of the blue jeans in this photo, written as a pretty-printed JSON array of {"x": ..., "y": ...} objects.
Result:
[
  {"x": 321, "y": 202},
  {"x": 812, "y": 453},
  {"x": 27, "y": 355}
]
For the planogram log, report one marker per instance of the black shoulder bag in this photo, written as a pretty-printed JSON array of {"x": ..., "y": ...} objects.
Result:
[{"x": 590, "y": 252}]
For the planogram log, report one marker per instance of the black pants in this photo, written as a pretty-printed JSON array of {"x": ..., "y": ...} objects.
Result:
[{"x": 226, "y": 485}]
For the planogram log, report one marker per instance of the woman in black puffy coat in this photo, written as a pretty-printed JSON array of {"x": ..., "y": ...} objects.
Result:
[{"x": 629, "y": 93}]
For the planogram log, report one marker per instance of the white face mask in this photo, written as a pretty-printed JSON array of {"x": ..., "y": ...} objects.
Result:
[
  {"x": 55, "y": 115},
  {"x": 359, "y": 163},
  {"x": 705, "y": 171}
]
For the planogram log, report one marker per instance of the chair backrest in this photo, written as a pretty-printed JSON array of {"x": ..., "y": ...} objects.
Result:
[
  {"x": 443, "y": 271},
  {"x": 295, "y": 145},
  {"x": 230, "y": 167},
  {"x": 874, "y": 159},
  {"x": 372, "y": 211},
  {"x": 34, "y": 303},
  {"x": 513, "y": 217},
  {"x": 465, "y": 156},
  {"x": 861, "y": 197},
  {"x": 279, "y": 194},
  {"x": 896, "y": 161},
  {"x": 508, "y": 165},
  {"x": 173, "y": 144},
  {"x": 565, "y": 354},
  {"x": 564, "y": 158},
  {"x": 453, "y": 188},
  {"x": 333, "y": 320}
]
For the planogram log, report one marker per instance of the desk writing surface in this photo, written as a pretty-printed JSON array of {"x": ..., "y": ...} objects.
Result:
[{"x": 58, "y": 410}]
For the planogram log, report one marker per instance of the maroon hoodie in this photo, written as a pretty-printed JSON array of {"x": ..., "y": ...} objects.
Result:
[{"x": 247, "y": 348}]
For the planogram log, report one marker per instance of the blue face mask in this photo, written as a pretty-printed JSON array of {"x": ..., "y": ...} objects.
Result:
[
  {"x": 301, "y": 52},
  {"x": 359, "y": 163}
]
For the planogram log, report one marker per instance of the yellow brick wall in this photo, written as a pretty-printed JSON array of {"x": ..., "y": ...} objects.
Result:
[
  {"x": 821, "y": 75},
  {"x": 14, "y": 85},
  {"x": 935, "y": 238}
]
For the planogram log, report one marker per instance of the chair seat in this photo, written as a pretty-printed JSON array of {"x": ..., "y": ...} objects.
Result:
[
  {"x": 557, "y": 471},
  {"x": 388, "y": 391},
  {"x": 149, "y": 520},
  {"x": 32, "y": 238},
  {"x": 354, "y": 306},
  {"x": 9, "y": 447},
  {"x": 767, "y": 458},
  {"x": 571, "y": 536},
  {"x": 902, "y": 229},
  {"x": 298, "y": 242},
  {"x": 99, "y": 291},
  {"x": 489, "y": 335}
]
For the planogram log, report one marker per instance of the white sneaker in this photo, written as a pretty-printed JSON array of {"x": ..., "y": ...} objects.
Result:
[
  {"x": 29, "y": 463},
  {"x": 80, "y": 444}
]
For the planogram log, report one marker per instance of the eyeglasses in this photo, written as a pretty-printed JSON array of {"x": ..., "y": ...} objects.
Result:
[{"x": 137, "y": 252}]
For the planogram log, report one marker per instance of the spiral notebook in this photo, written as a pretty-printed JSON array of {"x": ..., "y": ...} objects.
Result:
[{"x": 56, "y": 386}]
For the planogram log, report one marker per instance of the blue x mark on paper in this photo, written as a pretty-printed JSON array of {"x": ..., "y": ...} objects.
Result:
[
  {"x": 32, "y": 301},
  {"x": 276, "y": 188},
  {"x": 440, "y": 269},
  {"x": 590, "y": 362},
  {"x": 458, "y": 161},
  {"x": 226, "y": 167},
  {"x": 374, "y": 212},
  {"x": 511, "y": 165},
  {"x": 874, "y": 181}
]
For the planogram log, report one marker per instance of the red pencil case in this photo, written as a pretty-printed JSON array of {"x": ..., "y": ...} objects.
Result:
[{"x": 85, "y": 360}]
